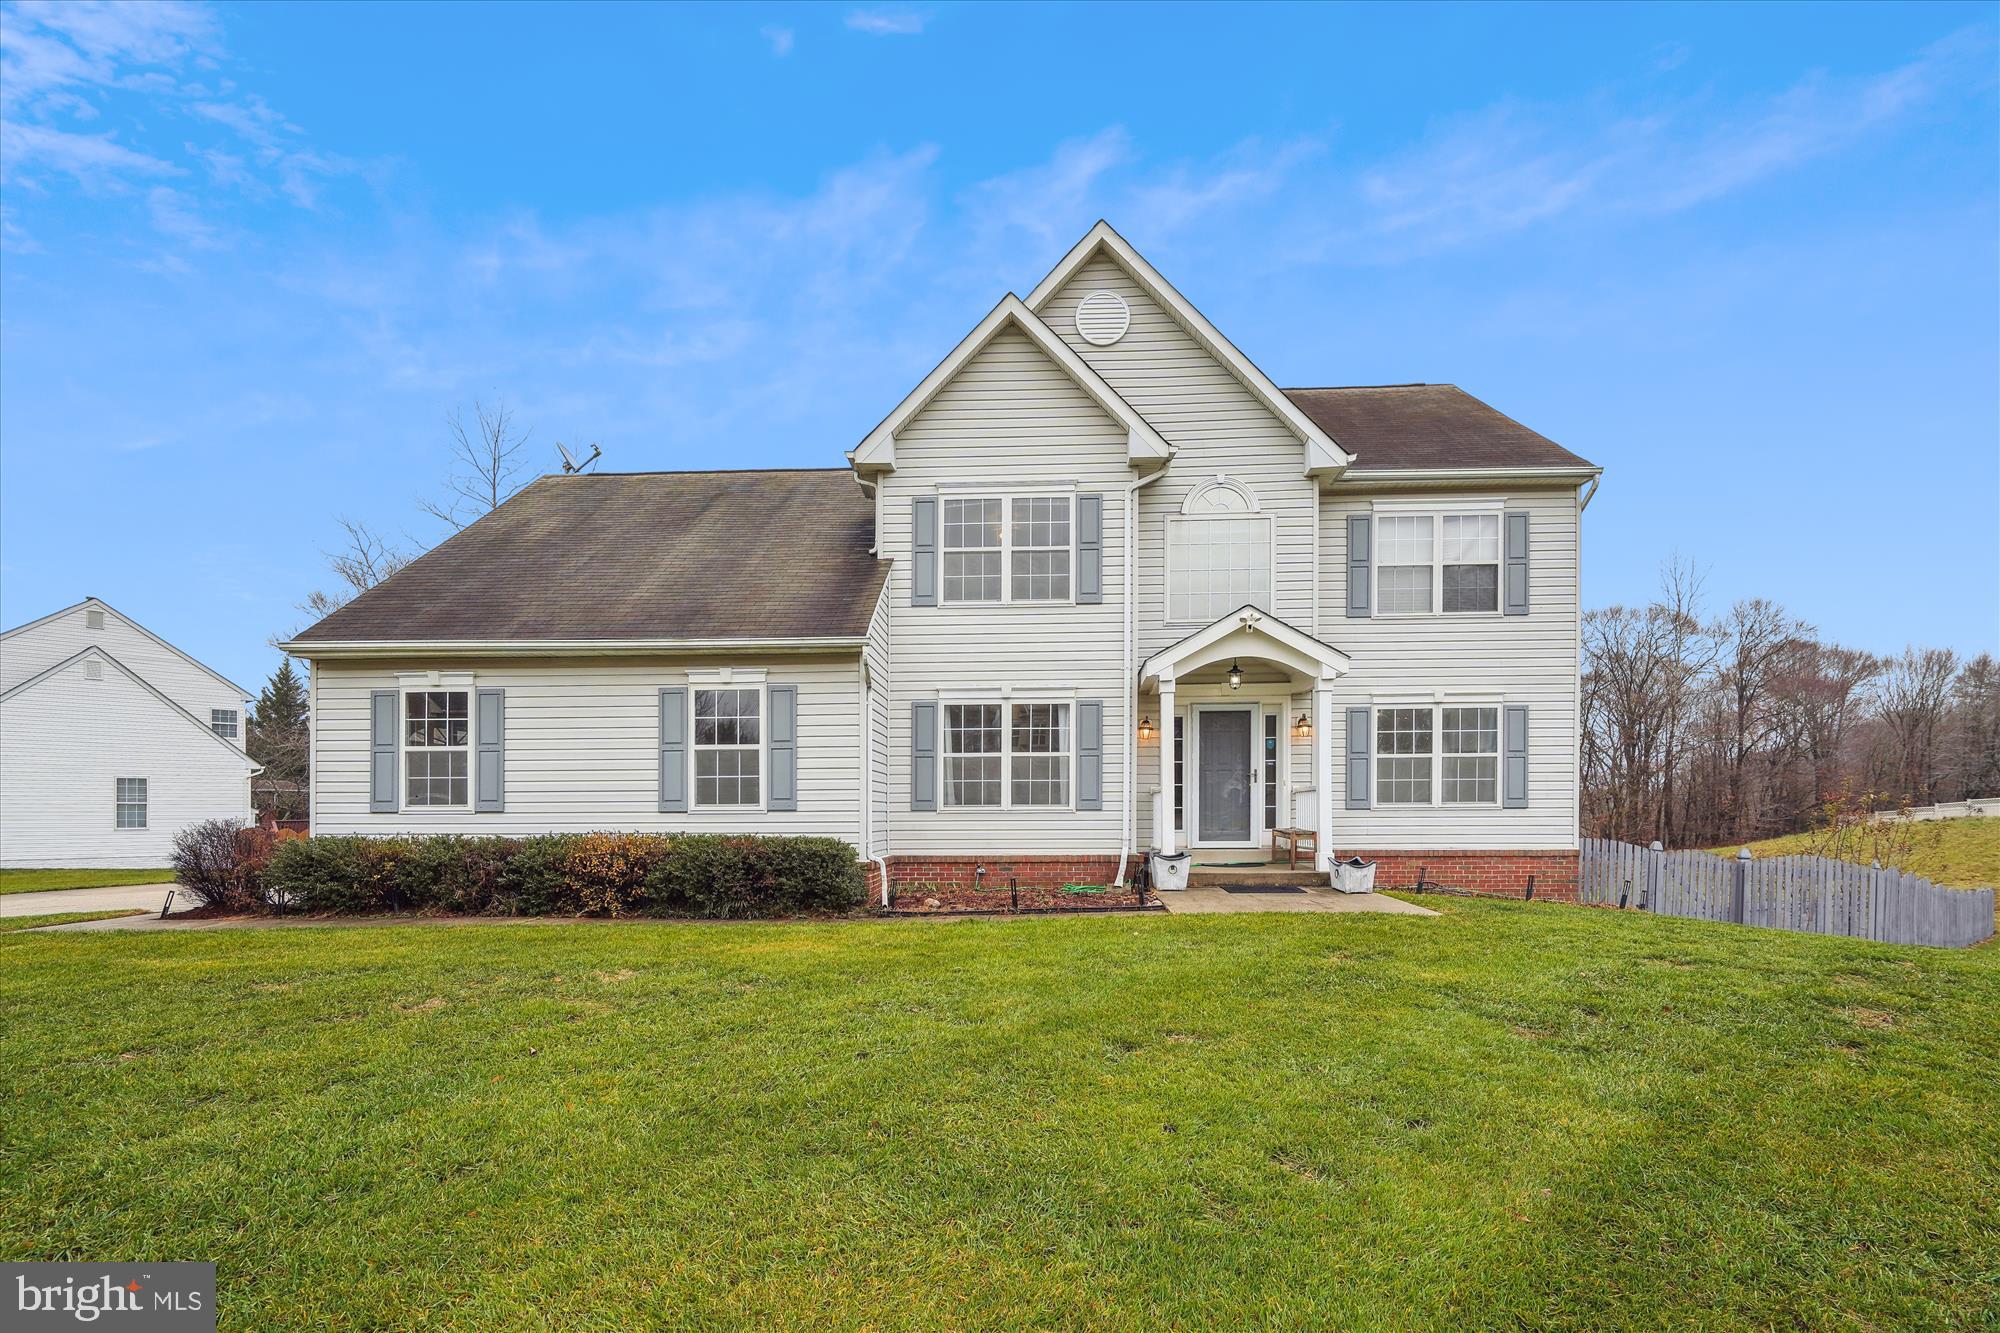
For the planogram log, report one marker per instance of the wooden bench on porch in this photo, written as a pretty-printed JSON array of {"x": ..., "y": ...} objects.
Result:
[{"x": 1299, "y": 835}]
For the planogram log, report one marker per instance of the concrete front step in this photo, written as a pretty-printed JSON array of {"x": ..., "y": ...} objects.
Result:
[{"x": 1212, "y": 876}]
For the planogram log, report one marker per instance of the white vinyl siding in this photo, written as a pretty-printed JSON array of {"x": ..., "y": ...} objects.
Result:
[
  {"x": 1011, "y": 424},
  {"x": 1528, "y": 660},
  {"x": 582, "y": 748},
  {"x": 1219, "y": 428},
  {"x": 64, "y": 744},
  {"x": 30, "y": 649}
]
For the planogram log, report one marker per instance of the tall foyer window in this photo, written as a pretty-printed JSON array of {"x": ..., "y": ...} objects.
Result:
[{"x": 1215, "y": 565}]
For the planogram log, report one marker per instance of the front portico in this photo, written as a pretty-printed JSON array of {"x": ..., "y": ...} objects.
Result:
[{"x": 1232, "y": 686}]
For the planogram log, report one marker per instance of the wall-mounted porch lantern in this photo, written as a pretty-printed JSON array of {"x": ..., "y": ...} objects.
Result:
[
  {"x": 1145, "y": 728},
  {"x": 1235, "y": 675},
  {"x": 1303, "y": 728}
]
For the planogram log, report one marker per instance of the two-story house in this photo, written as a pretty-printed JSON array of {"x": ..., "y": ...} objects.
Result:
[
  {"x": 1095, "y": 587},
  {"x": 112, "y": 740}
]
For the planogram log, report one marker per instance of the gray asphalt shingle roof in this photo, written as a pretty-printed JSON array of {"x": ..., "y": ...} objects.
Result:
[
  {"x": 651, "y": 555},
  {"x": 1426, "y": 426}
]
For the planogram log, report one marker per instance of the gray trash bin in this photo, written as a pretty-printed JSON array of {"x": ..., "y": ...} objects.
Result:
[{"x": 1354, "y": 875}]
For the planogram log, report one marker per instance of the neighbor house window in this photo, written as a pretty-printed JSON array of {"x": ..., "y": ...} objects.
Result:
[
  {"x": 437, "y": 744},
  {"x": 974, "y": 753},
  {"x": 1437, "y": 755},
  {"x": 1007, "y": 755},
  {"x": 222, "y": 721},
  {"x": 1444, "y": 562},
  {"x": 728, "y": 747},
  {"x": 999, "y": 549},
  {"x": 1215, "y": 565},
  {"x": 131, "y": 802}
]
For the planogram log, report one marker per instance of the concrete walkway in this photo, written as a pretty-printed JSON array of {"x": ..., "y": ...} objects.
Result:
[
  {"x": 42, "y": 901},
  {"x": 1192, "y": 900}
]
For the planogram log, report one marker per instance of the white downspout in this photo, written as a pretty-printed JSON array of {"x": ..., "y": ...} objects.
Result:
[{"x": 1129, "y": 827}]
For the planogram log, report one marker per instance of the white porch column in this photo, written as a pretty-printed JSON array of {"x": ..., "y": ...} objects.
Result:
[
  {"x": 1164, "y": 834},
  {"x": 1323, "y": 772}
]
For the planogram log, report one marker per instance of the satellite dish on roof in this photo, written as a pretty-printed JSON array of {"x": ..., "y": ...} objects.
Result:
[{"x": 569, "y": 463}]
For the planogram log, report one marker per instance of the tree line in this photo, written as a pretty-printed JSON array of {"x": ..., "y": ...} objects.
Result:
[{"x": 1703, "y": 729}]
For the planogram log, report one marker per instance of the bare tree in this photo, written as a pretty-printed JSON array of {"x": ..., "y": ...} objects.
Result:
[
  {"x": 1757, "y": 637},
  {"x": 1916, "y": 692},
  {"x": 485, "y": 463},
  {"x": 1976, "y": 727},
  {"x": 1819, "y": 694},
  {"x": 367, "y": 559}
]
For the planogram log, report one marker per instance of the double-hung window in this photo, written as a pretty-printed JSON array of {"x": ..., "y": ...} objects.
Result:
[
  {"x": 437, "y": 748},
  {"x": 728, "y": 747},
  {"x": 131, "y": 803},
  {"x": 1001, "y": 549},
  {"x": 222, "y": 721},
  {"x": 1437, "y": 562},
  {"x": 1014, "y": 755},
  {"x": 1429, "y": 755}
]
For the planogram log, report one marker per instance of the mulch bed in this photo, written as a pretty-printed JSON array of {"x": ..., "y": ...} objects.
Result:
[{"x": 937, "y": 899}]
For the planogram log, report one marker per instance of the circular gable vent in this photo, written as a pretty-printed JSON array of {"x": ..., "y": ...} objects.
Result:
[{"x": 1102, "y": 318}]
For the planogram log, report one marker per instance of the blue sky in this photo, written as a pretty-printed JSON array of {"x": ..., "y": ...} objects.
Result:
[{"x": 1747, "y": 259}]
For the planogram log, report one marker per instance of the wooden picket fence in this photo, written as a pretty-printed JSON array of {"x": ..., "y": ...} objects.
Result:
[{"x": 1810, "y": 893}]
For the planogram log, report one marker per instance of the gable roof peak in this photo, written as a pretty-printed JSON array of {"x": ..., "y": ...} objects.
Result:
[{"x": 1324, "y": 456}]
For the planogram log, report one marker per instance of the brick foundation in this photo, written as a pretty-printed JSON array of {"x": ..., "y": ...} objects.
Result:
[
  {"x": 1503, "y": 873},
  {"x": 908, "y": 872}
]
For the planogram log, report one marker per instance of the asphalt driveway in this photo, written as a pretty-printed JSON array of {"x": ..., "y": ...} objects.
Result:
[{"x": 148, "y": 896}]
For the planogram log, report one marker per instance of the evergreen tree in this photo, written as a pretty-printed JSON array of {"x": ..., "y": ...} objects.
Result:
[{"x": 276, "y": 738}]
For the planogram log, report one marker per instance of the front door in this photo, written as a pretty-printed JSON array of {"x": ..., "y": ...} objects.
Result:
[{"x": 1224, "y": 762}]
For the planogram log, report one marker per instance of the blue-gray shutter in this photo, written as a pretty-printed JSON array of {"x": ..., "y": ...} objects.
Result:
[
  {"x": 489, "y": 772},
  {"x": 1514, "y": 758},
  {"x": 923, "y": 551},
  {"x": 1090, "y": 549},
  {"x": 1360, "y": 736},
  {"x": 784, "y": 748},
  {"x": 381, "y": 751},
  {"x": 1090, "y": 754},
  {"x": 1515, "y": 573},
  {"x": 923, "y": 756},
  {"x": 673, "y": 749},
  {"x": 1359, "y": 530}
]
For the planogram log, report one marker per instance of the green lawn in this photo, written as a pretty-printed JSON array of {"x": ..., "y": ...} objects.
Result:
[
  {"x": 1515, "y": 1114},
  {"x": 12, "y": 923},
  {"x": 34, "y": 881},
  {"x": 1965, "y": 853}
]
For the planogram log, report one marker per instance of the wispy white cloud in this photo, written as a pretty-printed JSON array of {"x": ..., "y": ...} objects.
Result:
[
  {"x": 888, "y": 22},
  {"x": 67, "y": 66},
  {"x": 780, "y": 39}
]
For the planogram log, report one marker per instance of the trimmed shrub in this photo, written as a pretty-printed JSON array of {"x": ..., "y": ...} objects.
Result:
[
  {"x": 606, "y": 874},
  {"x": 720, "y": 875}
]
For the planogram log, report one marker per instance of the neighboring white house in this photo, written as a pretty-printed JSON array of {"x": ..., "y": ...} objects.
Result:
[
  {"x": 1095, "y": 567},
  {"x": 111, "y": 741}
]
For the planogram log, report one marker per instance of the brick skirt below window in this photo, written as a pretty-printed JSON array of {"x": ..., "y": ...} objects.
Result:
[
  {"x": 1504, "y": 873},
  {"x": 909, "y": 872}
]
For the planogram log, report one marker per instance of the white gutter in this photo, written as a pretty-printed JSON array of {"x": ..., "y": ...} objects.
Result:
[
  {"x": 1129, "y": 825},
  {"x": 1589, "y": 495},
  {"x": 311, "y": 648},
  {"x": 1356, "y": 476}
]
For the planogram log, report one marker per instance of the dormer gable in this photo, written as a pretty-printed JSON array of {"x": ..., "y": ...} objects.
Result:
[{"x": 1144, "y": 446}]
